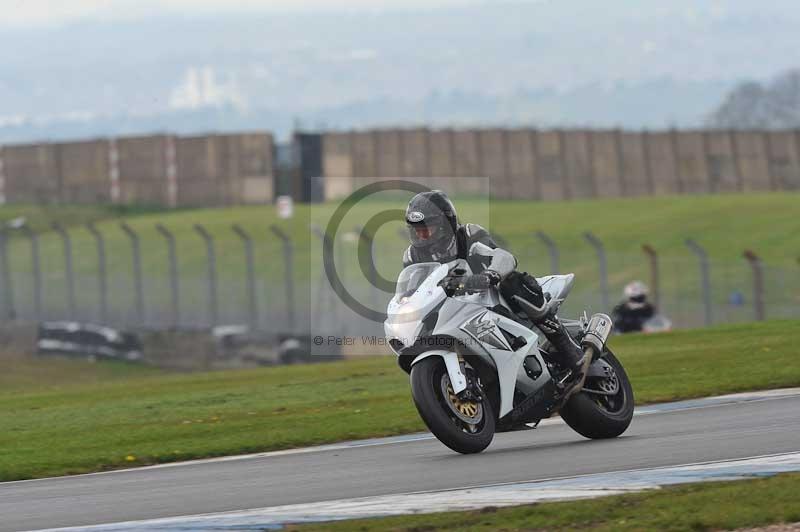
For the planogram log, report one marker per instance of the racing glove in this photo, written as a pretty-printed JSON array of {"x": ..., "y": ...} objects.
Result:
[{"x": 482, "y": 281}]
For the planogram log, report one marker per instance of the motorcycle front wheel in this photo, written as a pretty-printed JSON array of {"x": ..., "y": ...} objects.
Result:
[{"x": 464, "y": 426}]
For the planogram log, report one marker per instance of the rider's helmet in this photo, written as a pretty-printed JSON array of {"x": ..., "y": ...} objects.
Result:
[
  {"x": 636, "y": 294},
  {"x": 432, "y": 222}
]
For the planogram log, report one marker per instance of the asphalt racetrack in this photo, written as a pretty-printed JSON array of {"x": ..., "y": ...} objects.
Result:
[{"x": 680, "y": 433}]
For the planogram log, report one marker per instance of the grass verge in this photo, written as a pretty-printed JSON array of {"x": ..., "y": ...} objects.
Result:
[
  {"x": 122, "y": 418},
  {"x": 703, "y": 506}
]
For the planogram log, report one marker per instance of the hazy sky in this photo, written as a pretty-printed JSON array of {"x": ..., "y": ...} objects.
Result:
[{"x": 56, "y": 12}]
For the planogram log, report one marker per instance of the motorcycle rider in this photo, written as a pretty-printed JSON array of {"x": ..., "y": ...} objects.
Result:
[
  {"x": 632, "y": 313},
  {"x": 436, "y": 236}
]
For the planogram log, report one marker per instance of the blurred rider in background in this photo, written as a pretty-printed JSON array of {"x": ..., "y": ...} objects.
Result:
[{"x": 632, "y": 313}]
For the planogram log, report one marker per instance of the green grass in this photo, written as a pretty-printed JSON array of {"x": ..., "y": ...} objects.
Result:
[
  {"x": 106, "y": 422},
  {"x": 41, "y": 217},
  {"x": 24, "y": 374},
  {"x": 696, "y": 507}
]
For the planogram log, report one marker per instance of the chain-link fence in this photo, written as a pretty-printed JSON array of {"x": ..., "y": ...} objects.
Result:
[{"x": 274, "y": 281}]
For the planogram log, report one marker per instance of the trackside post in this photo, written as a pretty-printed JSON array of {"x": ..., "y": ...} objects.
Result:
[
  {"x": 66, "y": 242},
  {"x": 102, "y": 275},
  {"x": 705, "y": 278},
  {"x": 288, "y": 261},
  {"x": 36, "y": 266},
  {"x": 211, "y": 262},
  {"x": 252, "y": 303},
  {"x": 552, "y": 250},
  {"x": 655, "y": 278},
  {"x": 138, "y": 284},
  {"x": 602, "y": 263},
  {"x": 174, "y": 285},
  {"x": 758, "y": 284}
]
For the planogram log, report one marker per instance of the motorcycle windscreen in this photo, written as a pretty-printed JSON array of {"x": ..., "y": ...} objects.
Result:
[
  {"x": 412, "y": 277},
  {"x": 417, "y": 293}
]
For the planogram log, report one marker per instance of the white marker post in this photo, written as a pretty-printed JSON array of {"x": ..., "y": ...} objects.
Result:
[
  {"x": 172, "y": 172},
  {"x": 113, "y": 171},
  {"x": 2, "y": 179},
  {"x": 285, "y": 207}
]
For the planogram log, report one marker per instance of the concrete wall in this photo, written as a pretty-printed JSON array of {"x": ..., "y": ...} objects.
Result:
[
  {"x": 337, "y": 163},
  {"x": 159, "y": 170},
  {"x": 31, "y": 174},
  {"x": 84, "y": 171},
  {"x": 692, "y": 162},
  {"x": 565, "y": 164},
  {"x": 522, "y": 179},
  {"x": 751, "y": 156},
  {"x": 578, "y": 169},
  {"x": 606, "y": 164},
  {"x": 415, "y": 149},
  {"x": 550, "y": 166},
  {"x": 784, "y": 159},
  {"x": 546, "y": 165},
  {"x": 724, "y": 174}
]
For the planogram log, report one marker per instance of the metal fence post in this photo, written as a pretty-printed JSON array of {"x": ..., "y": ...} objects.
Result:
[
  {"x": 36, "y": 266},
  {"x": 655, "y": 278},
  {"x": 252, "y": 306},
  {"x": 365, "y": 254},
  {"x": 138, "y": 284},
  {"x": 174, "y": 287},
  {"x": 102, "y": 275},
  {"x": 705, "y": 277},
  {"x": 211, "y": 258},
  {"x": 758, "y": 284},
  {"x": 602, "y": 263},
  {"x": 68, "y": 272},
  {"x": 329, "y": 309},
  {"x": 288, "y": 258},
  {"x": 552, "y": 250},
  {"x": 5, "y": 277}
]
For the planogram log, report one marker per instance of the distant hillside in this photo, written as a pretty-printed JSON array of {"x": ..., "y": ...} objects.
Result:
[{"x": 566, "y": 63}]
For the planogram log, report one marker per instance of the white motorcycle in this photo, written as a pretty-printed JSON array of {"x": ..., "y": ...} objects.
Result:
[{"x": 477, "y": 367}]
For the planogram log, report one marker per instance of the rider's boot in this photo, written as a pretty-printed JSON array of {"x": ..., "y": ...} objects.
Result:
[
  {"x": 530, "y": 298},
  {"x": 567, "y": 353}
]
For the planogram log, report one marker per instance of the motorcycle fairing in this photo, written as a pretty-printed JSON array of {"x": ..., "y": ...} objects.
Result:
[{"x": 456, "y": 319}]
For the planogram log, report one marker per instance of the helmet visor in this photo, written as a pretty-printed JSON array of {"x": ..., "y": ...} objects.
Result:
[
  {"x": 429, "y": 232},
  {"x": 422, "y": 235}
]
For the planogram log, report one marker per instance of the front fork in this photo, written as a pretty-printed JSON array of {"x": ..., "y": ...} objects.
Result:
[
  {"x": 458, "y": 378},
  {"x": 463, "y": 381}
]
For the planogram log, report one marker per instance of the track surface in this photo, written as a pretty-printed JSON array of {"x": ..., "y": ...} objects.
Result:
[{"x": 667, "y": 438}]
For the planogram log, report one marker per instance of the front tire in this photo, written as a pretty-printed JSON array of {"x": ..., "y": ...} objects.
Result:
[
  {"x": 596, "y": 416},
  {"x": 465, "y": 428}
]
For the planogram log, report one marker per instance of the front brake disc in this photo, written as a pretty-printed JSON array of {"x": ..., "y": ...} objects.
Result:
[{"x": 469, "y": 412}]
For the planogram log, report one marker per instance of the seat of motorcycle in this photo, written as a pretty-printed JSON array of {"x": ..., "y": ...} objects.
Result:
[{"x": 555, "y": 288}]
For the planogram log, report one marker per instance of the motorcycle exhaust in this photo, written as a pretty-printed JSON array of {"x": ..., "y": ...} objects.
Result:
[{"x": 597, "y": 332}]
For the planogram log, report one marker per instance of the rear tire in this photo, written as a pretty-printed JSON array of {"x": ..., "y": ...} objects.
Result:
[
  {"x": 587, "y": 416},
  {"x": 426, "y": 388}
]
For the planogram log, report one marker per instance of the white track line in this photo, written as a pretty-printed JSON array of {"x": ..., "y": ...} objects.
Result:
[
  {"x": 662, "y": 408},
  {"x": 466, "y": 498}
]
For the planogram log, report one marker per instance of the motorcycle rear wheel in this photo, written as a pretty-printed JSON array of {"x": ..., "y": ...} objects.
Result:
[
  {"x": 465, "y": 427},
  {"x": 598, "y": 417}
]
